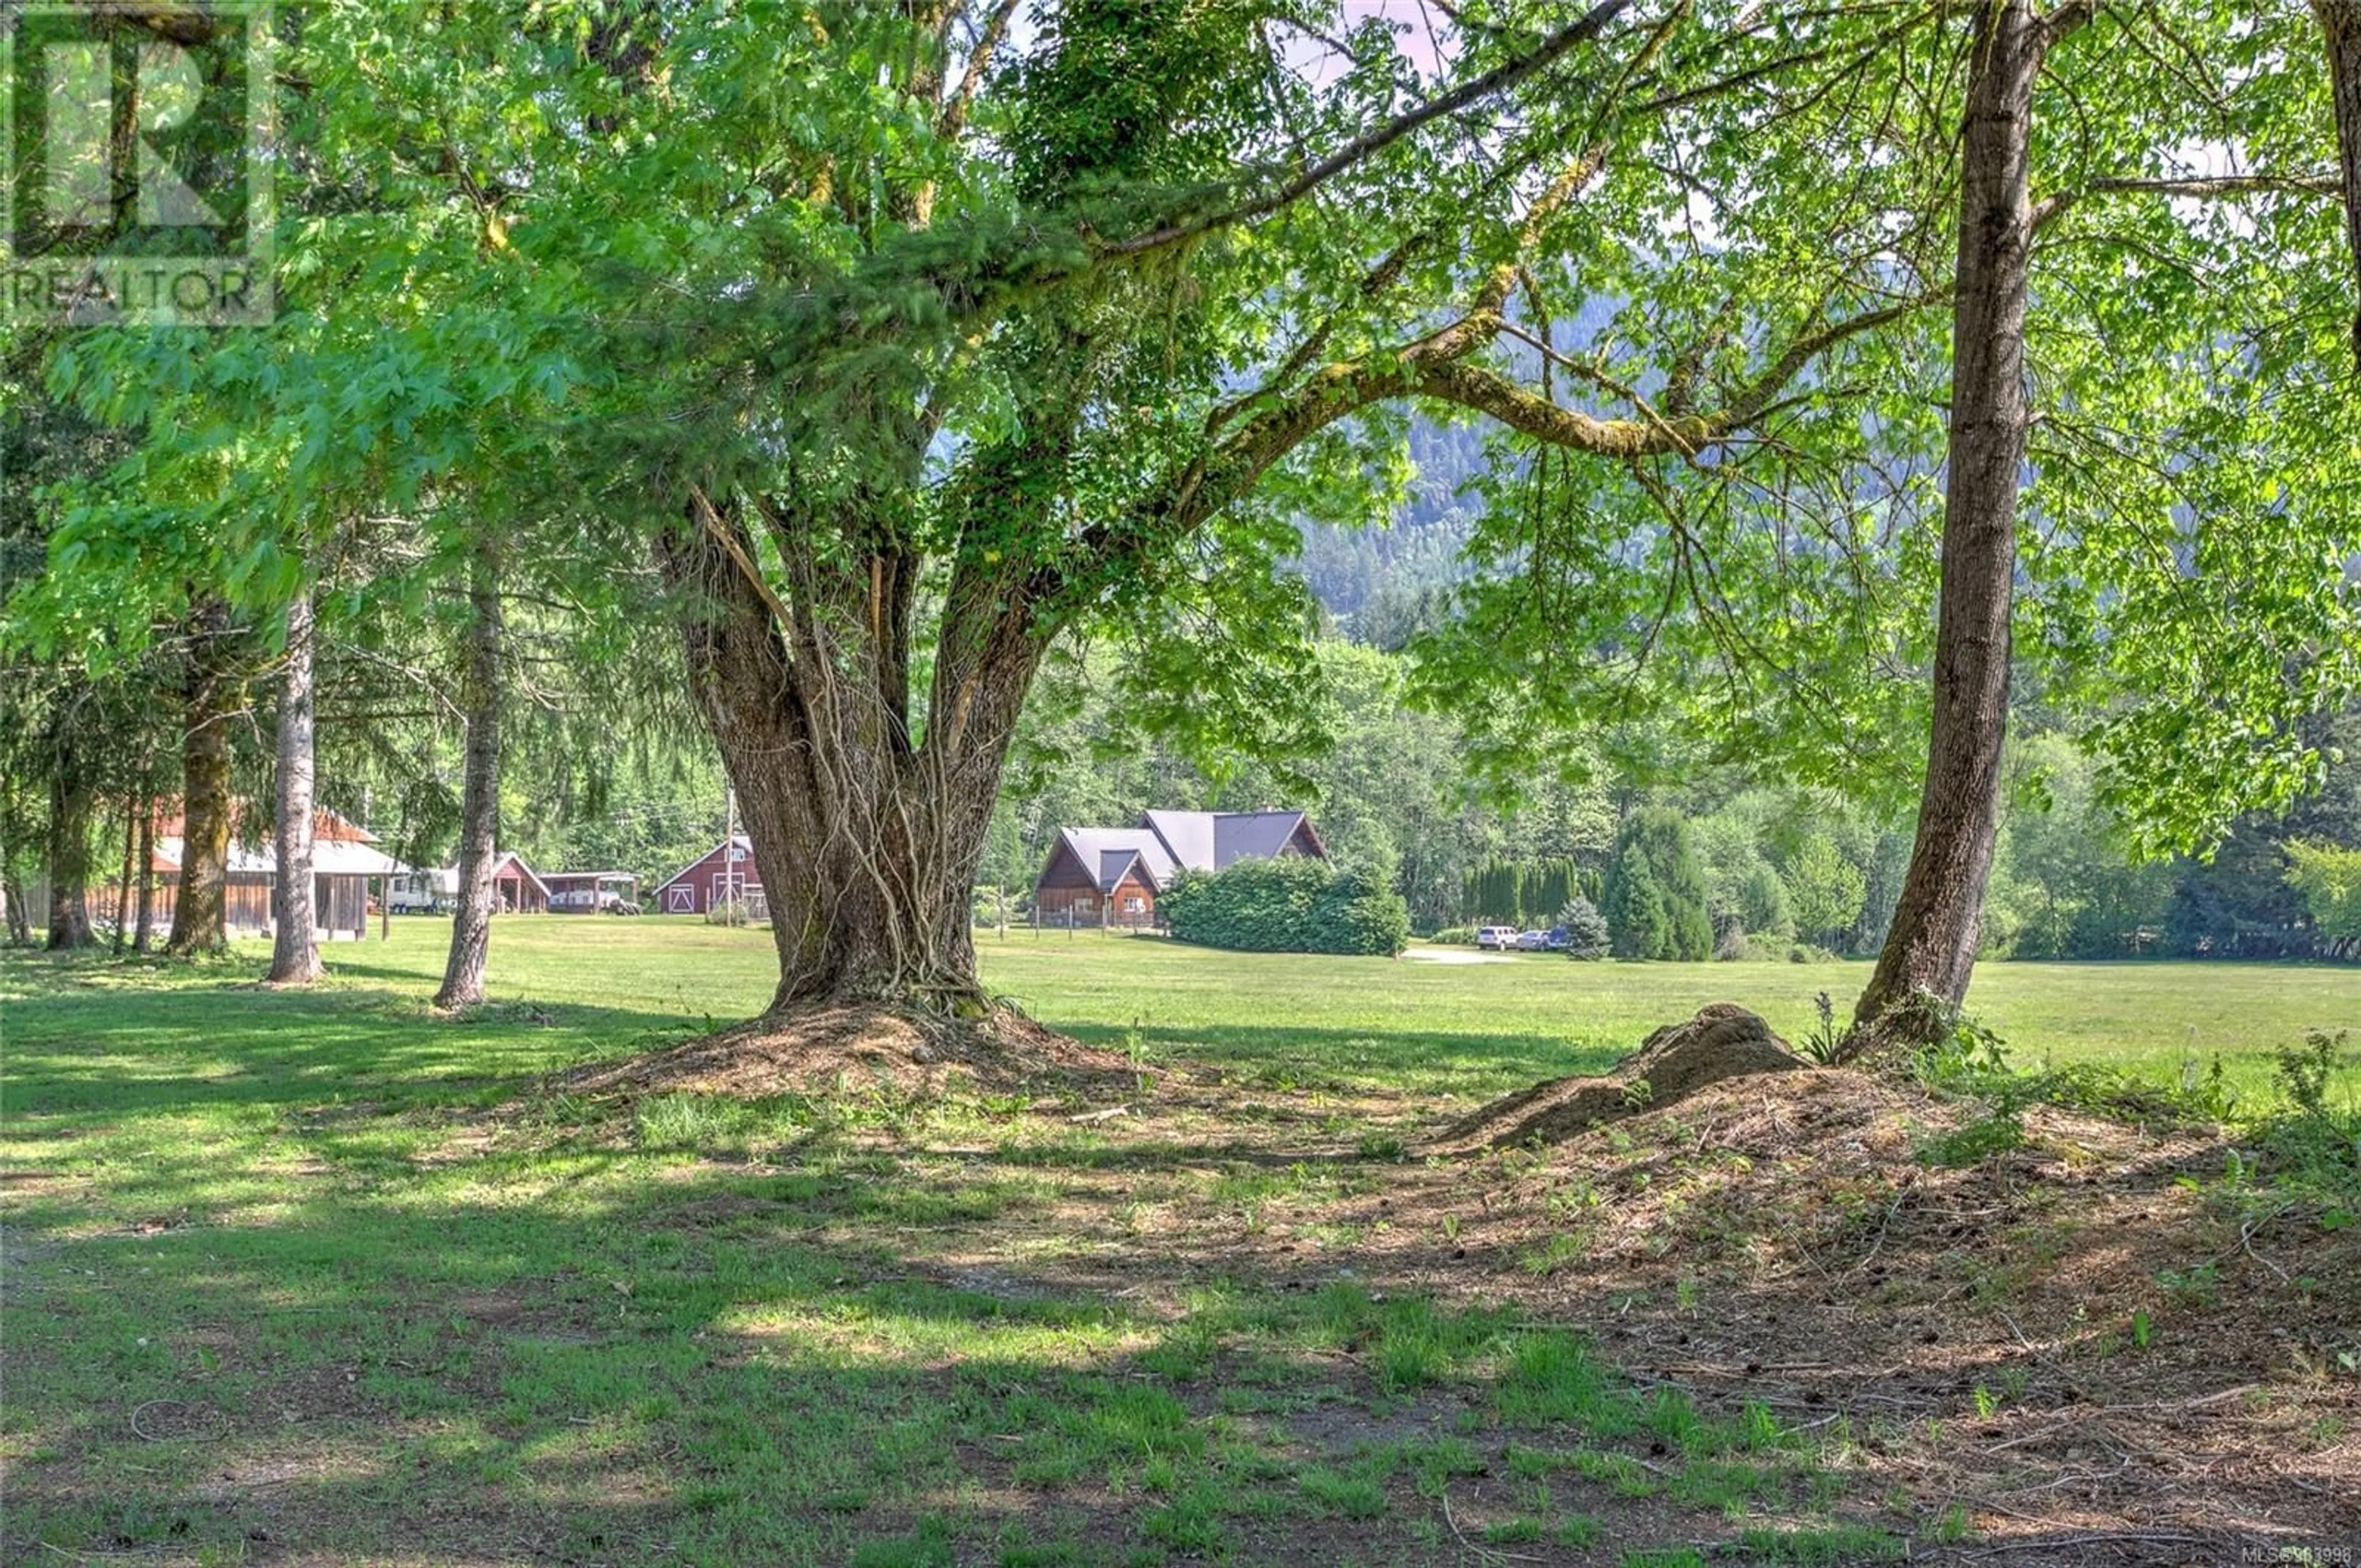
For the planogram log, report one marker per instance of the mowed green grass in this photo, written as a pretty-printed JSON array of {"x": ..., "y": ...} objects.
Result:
[
  {"x": 323, "y": 1276},
  {"x": 1467, "y": 1029},
  {"x": 1484, "y": 1028}
]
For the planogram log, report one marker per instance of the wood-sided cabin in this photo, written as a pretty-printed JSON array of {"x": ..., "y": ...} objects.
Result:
[
  {"x": 345, "y": 861},
  {"x": 1111, "y": 876}
]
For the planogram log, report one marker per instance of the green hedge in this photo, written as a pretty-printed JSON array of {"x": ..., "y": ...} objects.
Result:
[{"x": 1293, "y": 904}]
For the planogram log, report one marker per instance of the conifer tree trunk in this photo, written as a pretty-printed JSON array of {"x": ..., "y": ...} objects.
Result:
[
  {"x": 144, "y": 937},
  {"x": 479, "y": 804},
  {"x": 199, "y": 913},
  {"x": 12, "y": 891},
  {"x": 1932, "y": 946},
  {"x": 123, "y": 884},
  {"x": 295, "y": 954},
  {"x": 72, "y": 802}
]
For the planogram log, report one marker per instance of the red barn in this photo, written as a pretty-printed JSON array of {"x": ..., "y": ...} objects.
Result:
[
  {"x": 1110, "y": 876},
  {"x": 726, "y": 872}
]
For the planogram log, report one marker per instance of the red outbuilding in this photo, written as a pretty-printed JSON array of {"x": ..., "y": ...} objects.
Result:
[{"x": 724, "y": 873}]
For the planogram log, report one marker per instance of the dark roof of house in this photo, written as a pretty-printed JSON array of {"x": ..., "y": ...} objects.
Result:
[
  {"x": 1166, "y": 842},
  {"x": 1214, "y": 840},
  {"x": 1106, "y": 853}
]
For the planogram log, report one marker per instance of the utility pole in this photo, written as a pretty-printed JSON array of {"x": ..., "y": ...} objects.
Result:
[
  {"x": 384, "y": 883},
  {"x": 733, "y": 879}
]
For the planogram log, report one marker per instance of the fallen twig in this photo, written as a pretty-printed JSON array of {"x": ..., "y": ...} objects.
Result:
[
  {"x": 146, "y": 1436},
  {"x": 2091, "y": 1538},
  {"x": 1472, "y": 1546}
]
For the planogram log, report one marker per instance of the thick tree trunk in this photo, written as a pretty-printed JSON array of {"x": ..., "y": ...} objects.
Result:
[
  {"x": 72, "y": 802},
  {"x": 868, "y": 838},
  {"x": 200, "y": 911},
  {"x": 1932, "y": 946},
  {"x": 295, "y": 954},
  {"x": 12, "y": 892},
  {"x": 479, "y": 804},
  {"x": 2341, "y": 21}
]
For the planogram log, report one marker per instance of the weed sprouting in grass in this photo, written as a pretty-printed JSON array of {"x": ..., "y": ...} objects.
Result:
[
  {"x": 1812, "y": 1546},
  {"x": 1190, "y": 1522},
  {"x": 1433, "y": 1463},
  {"x": 1355, "y": 1495},
  {"x": 2305, "y": 1071},
  {"x": 1564, "y": 1248},
  {"x": 1576, "y": 1531},
  {"x": 1825, "y": 1044},
  {"x": 1554, "y": 1378},
  {"x": 2196, "y": 1285},
  {"x": 1622, "y": 1474},
  {"x": 1529, "y": 1464},
  {"x": 928, "y": 1546},
  {"x": 1996, "y": 1132},
  {"x": 1184, "y": 1354},
  {"x": 1727, "y": 1485}
]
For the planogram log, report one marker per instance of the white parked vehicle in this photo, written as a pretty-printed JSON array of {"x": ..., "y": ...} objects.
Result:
[
  {"x": 1500, "y": 938},
  {"x": 428, "y": 892}
]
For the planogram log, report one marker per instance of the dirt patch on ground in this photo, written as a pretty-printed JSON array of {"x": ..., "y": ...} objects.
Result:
[
  {"x": 2063, "y": 1326},
  {"x": 1723, "y": 1041},
  {"x": 830, "y": 1049}
]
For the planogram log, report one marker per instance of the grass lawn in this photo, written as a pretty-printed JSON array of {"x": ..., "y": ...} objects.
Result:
[
  {"x": 320, "y": 1276},
  {"x": 1481, "y": 1029}
]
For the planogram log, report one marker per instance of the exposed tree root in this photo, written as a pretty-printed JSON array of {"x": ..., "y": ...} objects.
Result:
[
  {"x": 829, "y": 1048},
  {"x": 1724, "y": 1041}
]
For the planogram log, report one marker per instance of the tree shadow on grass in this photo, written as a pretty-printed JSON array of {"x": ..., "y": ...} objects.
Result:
[
  {"x": 471, "y": 1378},
  {"x": 77, "y": 1051},
  {"x": 604, "y": 1345}
]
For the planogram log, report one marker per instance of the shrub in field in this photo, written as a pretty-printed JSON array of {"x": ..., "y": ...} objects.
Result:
[
  {"x": 1460, "y": 936},
  {"x": 1293, "y": 905},
  {"x": 1586, "y": 934}
]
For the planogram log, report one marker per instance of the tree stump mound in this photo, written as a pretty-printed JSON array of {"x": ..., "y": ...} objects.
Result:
[
  {"x": 1723, "y": 1041},
  {"x": 856, "y": 1047}
]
